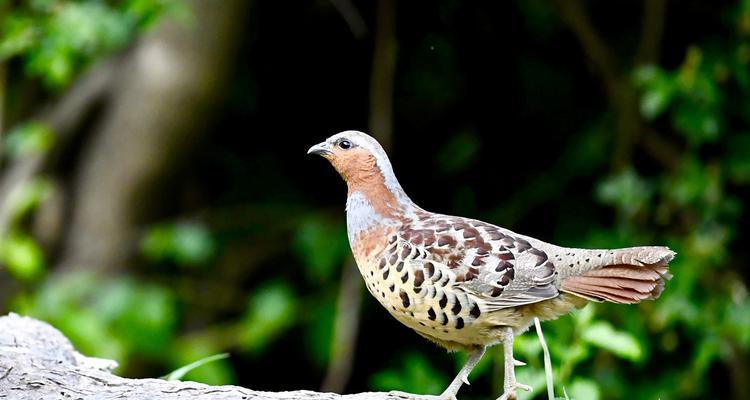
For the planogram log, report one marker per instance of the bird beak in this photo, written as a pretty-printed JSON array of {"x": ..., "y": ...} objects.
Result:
[{"x": 321, "y": 149}]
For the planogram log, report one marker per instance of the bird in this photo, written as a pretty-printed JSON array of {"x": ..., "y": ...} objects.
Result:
[{"x": 466, "y": 284}]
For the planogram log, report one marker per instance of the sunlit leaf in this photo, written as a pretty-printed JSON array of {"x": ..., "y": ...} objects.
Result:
[
  {"x": 179, "y": 373},
  {"x": 18, "y": 35},
  {"x": 584, "y": 389},
  {"x": 622, "y": 344},
  {"x": 27, "y": 139},
  {"x": 184, "y": 243},
  {"x": 626, "y": 190},
  {"x": 218, "y": 371},
  {"x": 272, "y": 309},
  {"x": 22, "y": 256}
]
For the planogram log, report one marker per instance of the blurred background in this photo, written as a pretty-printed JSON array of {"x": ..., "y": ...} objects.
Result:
[{"x": 157, "y": 206}]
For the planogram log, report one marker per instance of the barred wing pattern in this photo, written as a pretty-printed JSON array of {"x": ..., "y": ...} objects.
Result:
[{"x": 499, "y": 267}]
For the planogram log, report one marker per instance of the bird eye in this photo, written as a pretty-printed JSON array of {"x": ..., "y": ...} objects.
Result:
[{"x": 345, "y": 144}]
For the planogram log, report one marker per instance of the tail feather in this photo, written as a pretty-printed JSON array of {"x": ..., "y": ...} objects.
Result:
[{"x": 627, "y": 276}]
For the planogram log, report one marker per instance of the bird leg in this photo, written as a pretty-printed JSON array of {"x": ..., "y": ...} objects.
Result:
[
  {"x": 510, "y": 384},
  {"x": 450, "y": 392}
]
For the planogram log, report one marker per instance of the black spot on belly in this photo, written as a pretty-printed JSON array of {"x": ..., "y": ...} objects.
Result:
[
  {"x": 392, "y": 287},
  {"x": 382, "y": 263},
  {"x": 400, "y": 266},
  {"x": 437, "y": 276},
  {"x": 444, "y": 301},
  {"x": 459, "y": 323},
  {"x": 392, "y": 260},
  {"x": 405, "y": 252},
  {"x": 444, "y": 318},
  {"x": 456, "y": 308},
  {"x": 429, "y": 268},
  {"x": 418, "y": 277},
  {"x": 404, "y": 299},
  {"x": 405, "y": 277},
  {"x": 475, "y": 311},
  {"x": 385, "y": 274},
  {"x": 431, "y": 314}
]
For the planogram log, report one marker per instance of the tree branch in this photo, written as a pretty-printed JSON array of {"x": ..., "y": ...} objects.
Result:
[
  {"x": 166, "y": 93},
  {"x": 344, "y": 343},
  {"x": 652, "y": 30},
  {"x": 38, "y": 362},
  {"x": 62, "y": 118},
  {"x": 383, "y": 73}
]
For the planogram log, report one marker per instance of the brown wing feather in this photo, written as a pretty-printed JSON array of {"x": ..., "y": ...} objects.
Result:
[{"x": 487, "y": 261}]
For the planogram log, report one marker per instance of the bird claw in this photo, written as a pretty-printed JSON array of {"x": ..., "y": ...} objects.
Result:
[
  {"x": 465, "y": 379},
  {"x": 518, "y": 363},
  {"x": 412, "y": 396},
  {"x": 510, "y": 392}
]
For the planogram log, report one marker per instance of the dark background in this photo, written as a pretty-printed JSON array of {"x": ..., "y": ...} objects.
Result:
[{"x": 157, "y": 205}]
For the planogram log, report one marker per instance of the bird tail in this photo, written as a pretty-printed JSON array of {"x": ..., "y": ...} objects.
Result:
[{"x": 624, "y": 276}]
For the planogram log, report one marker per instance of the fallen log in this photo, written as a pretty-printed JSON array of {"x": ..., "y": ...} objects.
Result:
[{"x": 38, "y": 362}]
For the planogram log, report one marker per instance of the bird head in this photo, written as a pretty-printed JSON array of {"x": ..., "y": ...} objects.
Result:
[
  {"x": 365, "y": 167},
  {"x": 356, "y": 156}
]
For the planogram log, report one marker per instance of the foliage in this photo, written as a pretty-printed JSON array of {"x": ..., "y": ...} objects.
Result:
[
  {"x": 56, "y": 39},
  {"x": 252, "y": 266}
]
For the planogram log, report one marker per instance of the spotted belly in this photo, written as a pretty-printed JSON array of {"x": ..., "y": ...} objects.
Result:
[{"x": 425, "y": 298}]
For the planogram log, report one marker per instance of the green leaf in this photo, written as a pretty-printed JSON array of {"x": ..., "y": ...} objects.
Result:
[
  {"x": 322, "y": 245},
  {"x": 584, "y": 389},
  {"x": 184, "y": 243},
  {"x": 200, "y": 346},
  {"x": 415, "y": 375},
  {"x": 458, "y": 153},
  {"x": 18, "y": 35},
  {"x": 146, "y": 318},
  {"x": 271, "y": 310},
  {"x": 28, "y": 197},
  {"x": 27, "y": 139},
  {"x": 622, "y": 344},
  {"x": 179, "y": 373},
  {"x": 22, "y": 256},
  {"x": 627, "y": 191}
]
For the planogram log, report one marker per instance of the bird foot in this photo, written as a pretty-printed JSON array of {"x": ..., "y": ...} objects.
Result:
[
  {"x": 412, "y": 396},
  {"x": 510, "y": 391}
]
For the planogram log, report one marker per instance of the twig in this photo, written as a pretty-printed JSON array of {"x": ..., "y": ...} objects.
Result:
[
  {"x": 622, "y": 96},
  {"x": 62, "y": 119},
  {"x": 547, "y": 360},
  {"x": 346, "y": 330},
  {"x": 654, "y": 13},
  {"x": 383, "y": 73},
  {"x": 352, "y": 17}
]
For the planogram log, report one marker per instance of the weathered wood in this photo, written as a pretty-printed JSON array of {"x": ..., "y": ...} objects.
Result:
[{"x": 37, "y": 362}]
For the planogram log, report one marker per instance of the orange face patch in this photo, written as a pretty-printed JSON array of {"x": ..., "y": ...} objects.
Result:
[{"x": 360, "y": 170}]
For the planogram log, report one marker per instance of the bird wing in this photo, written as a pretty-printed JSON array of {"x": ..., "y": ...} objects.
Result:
[{"x": 502, "y": 268}]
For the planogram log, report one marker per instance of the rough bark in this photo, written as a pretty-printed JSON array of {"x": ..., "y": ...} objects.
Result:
[{"x": 37, "y": 362}]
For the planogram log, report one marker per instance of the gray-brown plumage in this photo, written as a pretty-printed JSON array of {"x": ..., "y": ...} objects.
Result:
[{"x": 466, "y": 284}]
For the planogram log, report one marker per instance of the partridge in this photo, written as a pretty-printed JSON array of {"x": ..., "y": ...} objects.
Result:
[{"x": 466, "y": 284}]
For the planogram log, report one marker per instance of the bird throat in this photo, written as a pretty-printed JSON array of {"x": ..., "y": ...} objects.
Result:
[{"x": 372, "y": 213}]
